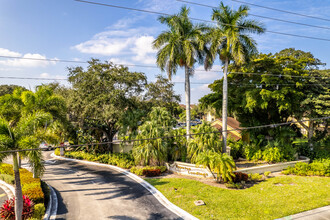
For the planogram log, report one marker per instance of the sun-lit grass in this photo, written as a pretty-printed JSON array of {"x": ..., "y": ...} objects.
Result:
[{"x": 274, "y": 198}]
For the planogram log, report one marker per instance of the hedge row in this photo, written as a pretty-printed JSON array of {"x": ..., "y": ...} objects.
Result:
[
  {"x": 122, "y": 160},
  {"x": 316, "y": 168}
]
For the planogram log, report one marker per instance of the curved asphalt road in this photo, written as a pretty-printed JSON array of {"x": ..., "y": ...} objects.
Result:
[{"x": 93, "y": 193}]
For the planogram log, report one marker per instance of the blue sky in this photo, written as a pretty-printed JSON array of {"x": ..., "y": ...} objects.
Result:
[{"x": 65, "y": 29}]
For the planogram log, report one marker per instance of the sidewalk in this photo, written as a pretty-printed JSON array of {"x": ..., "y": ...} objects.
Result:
[{"x": 322, "y": 213}]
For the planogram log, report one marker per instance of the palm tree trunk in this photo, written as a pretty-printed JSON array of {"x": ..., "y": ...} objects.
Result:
[
  {"x": 187, "y": 93},
  {"x": 224, "y": 107},
  {"x": 18, "y": 190}
]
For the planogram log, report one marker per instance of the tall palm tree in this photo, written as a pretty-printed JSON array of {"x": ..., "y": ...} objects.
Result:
[
  {"x": 230, "y": 41},
  {"x": 180, "y": 46},
  {"x": 26, "y": 133}
]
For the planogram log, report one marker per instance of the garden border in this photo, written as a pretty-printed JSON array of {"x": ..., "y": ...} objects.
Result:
[
  {"x": 9, "y": 189},
  {"x": 157, "y": 194}
]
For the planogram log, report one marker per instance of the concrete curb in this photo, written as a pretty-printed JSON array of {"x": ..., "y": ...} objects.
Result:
[
  {"x": 52, "y": 205},
  {"x": 9, "y": 189},
  {"x": 318, "y": 213},
  {"x": 158, "y": 195}
]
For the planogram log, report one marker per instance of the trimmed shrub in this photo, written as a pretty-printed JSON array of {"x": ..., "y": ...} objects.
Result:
[
  {"x": 6, "y": 169},
  {"x": 317, "y": 168},
  {"x": 254, "y": 177},
  {"x": 151, "y": 172},
  {"x": 122, "y": 160},
  {"x": 39, "y": 211},
  {"x": 140, "y": 170},
  {"x": 7, "y": 178},
  {"x": 57, "y": 152},
  {"x": 7, "y": 210},
  {"x": 267, "y": 173},
  {"x": 239, "y": 177}
]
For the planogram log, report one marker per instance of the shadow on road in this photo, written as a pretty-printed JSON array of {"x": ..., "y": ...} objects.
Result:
[{"x": 61, "y": 209}]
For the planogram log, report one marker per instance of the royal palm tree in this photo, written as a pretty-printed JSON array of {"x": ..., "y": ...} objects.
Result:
[
  {"x": 230, "y": 41},
  {"x": 180, "y": 46},
  {"x": 26, "y": 133}
]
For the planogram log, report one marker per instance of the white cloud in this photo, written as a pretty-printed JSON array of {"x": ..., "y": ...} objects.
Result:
[
  {"x": 44, "y": 75},
  {"x": 18, "y": 62},
  {"x": 213, "y": 74},
  {"x": 6, "y": 52},
  {"x": 128, "y": 42},
  {"x": 120, "y": 61},
  {"x": 143, "y": 50}
]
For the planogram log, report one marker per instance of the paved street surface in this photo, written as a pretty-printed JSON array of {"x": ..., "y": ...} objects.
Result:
[
  {"x": 3, "y": 196},
  {"x": 93, "y": 193}
]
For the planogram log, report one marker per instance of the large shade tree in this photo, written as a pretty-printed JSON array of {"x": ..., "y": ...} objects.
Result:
[
  {"x": 102, "y": 96},
  {"x": 180, "y": 46},
  {"x": 230, "y": 41},
  {"x": 289, "y": 85}
]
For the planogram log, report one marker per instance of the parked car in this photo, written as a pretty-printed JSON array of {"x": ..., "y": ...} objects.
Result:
[{"x": 45, "y": 146}]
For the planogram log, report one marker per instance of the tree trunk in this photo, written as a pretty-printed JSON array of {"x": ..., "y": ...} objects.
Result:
[
  {"x": 310, "y": 132},
  {"x": 224, "y": 107},
  {"x": 18, "y": 190},
  {"x": 110, "y": 139},
  {"x": 19, "y": 161},
  {"x": 187, "y": 93}
]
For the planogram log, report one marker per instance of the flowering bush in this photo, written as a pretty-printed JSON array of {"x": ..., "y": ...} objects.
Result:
[
  {"x": 150, "y": 173},
  {"x": 7, "y": 210}
]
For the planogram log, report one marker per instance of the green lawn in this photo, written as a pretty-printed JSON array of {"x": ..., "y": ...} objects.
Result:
[{"x": 274, "y": 198}]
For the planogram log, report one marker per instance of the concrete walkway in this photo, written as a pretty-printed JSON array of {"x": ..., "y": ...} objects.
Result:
[{"x": 322, "y": 213}]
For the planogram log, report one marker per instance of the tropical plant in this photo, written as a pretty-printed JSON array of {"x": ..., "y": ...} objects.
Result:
[
  {"x": 26, "y": 133},
  {"x": 180, "y": 46},
  {"x": 230, "y": 42},
  {"x": 8, "y": 211},
  {"x": 221, "y": 164},
  {"x": 178, "y": 149},
  {"x": 207, "y": 138},
  {"x": 152, "y": 148}
]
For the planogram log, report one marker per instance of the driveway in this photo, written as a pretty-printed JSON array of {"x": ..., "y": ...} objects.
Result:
[{"x": 93, "y": 193}]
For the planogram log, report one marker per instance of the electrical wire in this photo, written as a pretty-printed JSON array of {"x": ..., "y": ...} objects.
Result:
[
  {"x": 260, "y": 16},
  {"x": 167, "y": 137},
  {"x": 284, "y": 11},
  {"x": 175, "y": 82},
  {"x": 197, "y": 19},
  {"x": 148, "y": 66}
]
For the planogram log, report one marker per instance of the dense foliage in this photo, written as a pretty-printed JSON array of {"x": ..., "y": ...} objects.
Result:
[{"x": 316, "y": 168}]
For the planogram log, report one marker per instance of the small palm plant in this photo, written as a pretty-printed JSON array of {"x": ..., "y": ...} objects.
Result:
[
  {"x": 221, "y": 164},
  {"x": 151, "y": 148},
  {"x": 207, "y": 139},
  {"x": 27, "y": 133}
]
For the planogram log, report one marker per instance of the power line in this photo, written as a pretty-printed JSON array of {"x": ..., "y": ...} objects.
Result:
[
  {"x": 166, "y": 137},
  {"x": 148, "y": 66},
  {"x": 261, "y": 16},
  {"x": 198, "y": 19},
  {"x": 175, "y": 82},
  {"x": 284, "y": 11}
]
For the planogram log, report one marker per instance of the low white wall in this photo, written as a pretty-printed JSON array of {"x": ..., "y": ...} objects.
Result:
[
  {"x": 273, "y": 167},
  {"x": 189, "y": 169}
]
